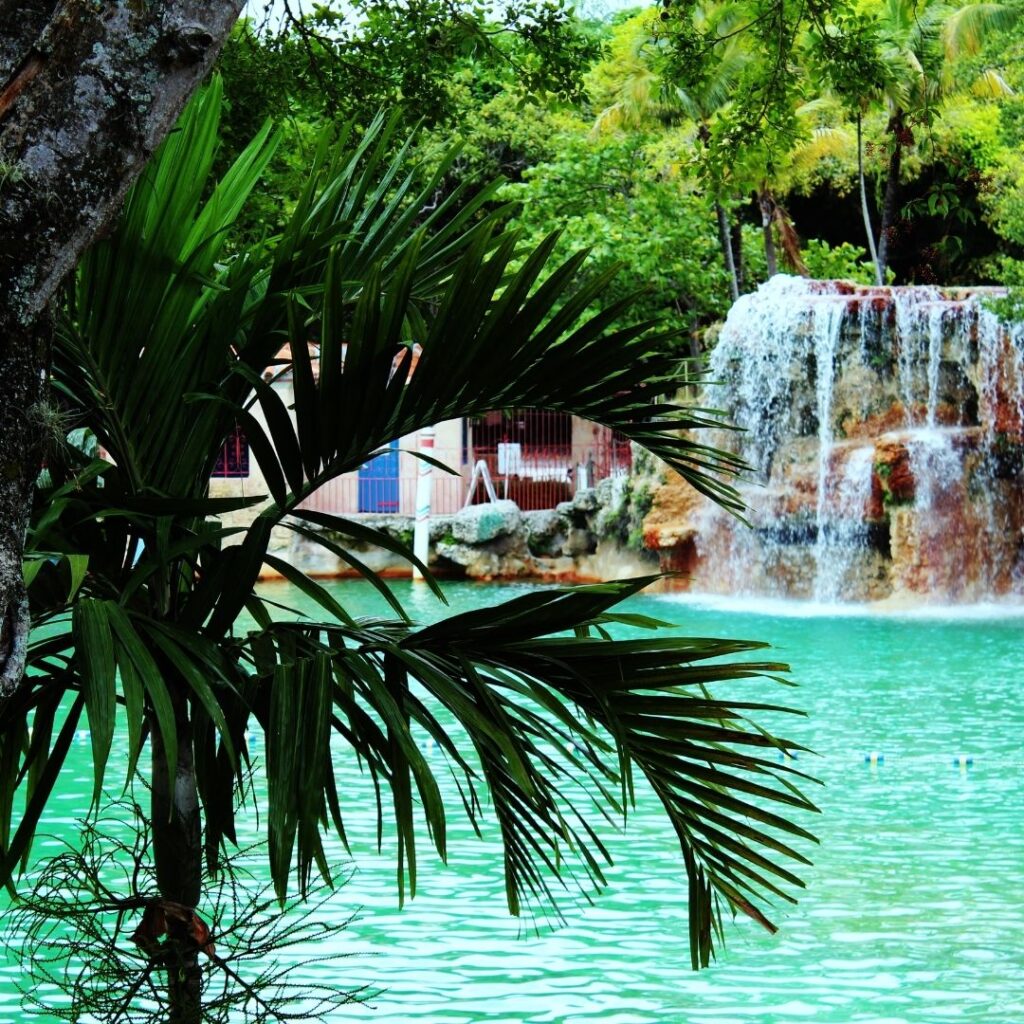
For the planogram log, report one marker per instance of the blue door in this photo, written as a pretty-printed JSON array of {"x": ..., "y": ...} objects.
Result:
[{"x": 378, "y": 482}]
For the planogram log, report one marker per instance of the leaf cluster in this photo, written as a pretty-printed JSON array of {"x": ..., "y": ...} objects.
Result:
[{"x": 170, "y": 340}]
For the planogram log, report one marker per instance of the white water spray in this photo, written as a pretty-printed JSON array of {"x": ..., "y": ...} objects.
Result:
[{"x": 879, "y": 423}]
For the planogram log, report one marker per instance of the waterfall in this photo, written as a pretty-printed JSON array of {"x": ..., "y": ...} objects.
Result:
[
  {"x": 842, "y": 532},
  {"x": 884, "y": 430},
  {"x": 772, "y": 341},
  {"x": 752, "y": 358}
]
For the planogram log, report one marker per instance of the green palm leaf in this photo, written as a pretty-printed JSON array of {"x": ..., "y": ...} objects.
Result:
[
  {"x": 557, "y": 726},
  {"x": 558, "y": 717}
]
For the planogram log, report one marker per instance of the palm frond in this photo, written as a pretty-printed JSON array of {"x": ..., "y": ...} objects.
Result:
[
  {"x": 964, "y": 28},
  {"x": 505, "y": 330},
  {"x": 153, "y": 314},
  {"x": 990, "y": 85},
  {"x": 142, "y": 594},
  {"x": 555, "y": 726}
]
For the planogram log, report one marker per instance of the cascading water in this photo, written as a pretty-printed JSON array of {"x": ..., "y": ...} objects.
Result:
[
  {"x": 884, "y": 428},
  {"x": 842, "y": 531}
]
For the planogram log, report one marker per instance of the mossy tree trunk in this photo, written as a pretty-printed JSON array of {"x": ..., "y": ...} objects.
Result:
[{"x": 87, "y": 92}]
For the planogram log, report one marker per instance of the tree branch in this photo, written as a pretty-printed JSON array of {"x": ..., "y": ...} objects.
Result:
[{"x": 107, "y": 84}]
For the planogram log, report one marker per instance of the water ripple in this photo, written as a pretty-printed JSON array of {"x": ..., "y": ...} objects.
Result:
[{"x": 913, "y": 911}]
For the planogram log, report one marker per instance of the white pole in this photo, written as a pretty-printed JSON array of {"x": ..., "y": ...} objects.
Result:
[{"x": 424, "y": 493}]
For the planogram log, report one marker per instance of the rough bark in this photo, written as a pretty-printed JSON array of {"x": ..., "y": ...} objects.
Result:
[
  {"x": 106, "y": 84},
  {"x": 87, "y": 91},
  {"x": 22, "y": 354},
  {"x": 21, "y": 22}
]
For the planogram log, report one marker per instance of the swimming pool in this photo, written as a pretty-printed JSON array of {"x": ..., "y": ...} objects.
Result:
[{"x": 913, "y": 908}]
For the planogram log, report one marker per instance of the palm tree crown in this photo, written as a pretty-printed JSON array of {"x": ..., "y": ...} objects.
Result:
[{"x": 139, "y": 585}]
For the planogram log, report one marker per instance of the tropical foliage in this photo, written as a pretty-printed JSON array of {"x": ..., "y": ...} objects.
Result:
[
  {"x": 788, "y": 130},
  {"x": 693, "y": 148},
  {"x": 137, "y": 587}
]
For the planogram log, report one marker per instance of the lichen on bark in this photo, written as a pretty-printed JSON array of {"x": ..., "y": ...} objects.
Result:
[
  {"x": 22, "y": 355},
  {"x": 87, "y": 92}
]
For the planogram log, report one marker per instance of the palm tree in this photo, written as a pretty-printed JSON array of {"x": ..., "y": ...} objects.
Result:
[
  {"x": 919, "y": 42},
  {"x": 136, "y": 586},
  {"x": 646, "y": 90}
]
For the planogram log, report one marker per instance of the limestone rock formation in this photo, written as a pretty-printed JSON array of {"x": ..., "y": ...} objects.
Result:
[
  {"x": 547, "y": 532},
  {"x": 579, "y": 540},
  {"x": 477, "y": 524},
  {"x": 884, "y": 431}
]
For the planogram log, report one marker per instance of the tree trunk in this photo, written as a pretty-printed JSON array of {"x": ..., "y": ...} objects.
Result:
[
  {"x": 865, "y": 212},
  {"x": 178, "y": 859},
  {"x": 890, "y": 204},
  {"x": 87, "y": 92},
  {"x": 82, "y": 106},
  {"x": 736, "y": 240},
  {"x": 767, "y": 205},
  {"x": 23, "y": 353},
  {"x": 724, "y": 237}
]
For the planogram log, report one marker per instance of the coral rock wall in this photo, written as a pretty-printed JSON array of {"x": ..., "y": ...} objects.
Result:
[{"x": 883, "y": 428}]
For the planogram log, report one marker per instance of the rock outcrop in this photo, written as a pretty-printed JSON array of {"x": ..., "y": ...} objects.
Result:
[
  {"x": 884, "y": 430},
  {"x": 594, "y": 536}
]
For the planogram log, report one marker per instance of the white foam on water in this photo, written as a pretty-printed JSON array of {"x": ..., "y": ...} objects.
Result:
[{"x": 789, "y": 608}]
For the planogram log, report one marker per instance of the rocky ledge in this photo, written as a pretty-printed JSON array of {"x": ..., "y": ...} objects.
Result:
[{"x": 594, "y": 536}]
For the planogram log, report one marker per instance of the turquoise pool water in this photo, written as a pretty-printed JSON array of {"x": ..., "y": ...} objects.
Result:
[{"x": 913, "y": 911}]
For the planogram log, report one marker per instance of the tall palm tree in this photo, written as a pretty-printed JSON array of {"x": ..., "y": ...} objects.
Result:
[
  {"x": 645, "y": 90},
  {"x": 136, "y": 586},
  {"x": 919, "y": 42}
]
